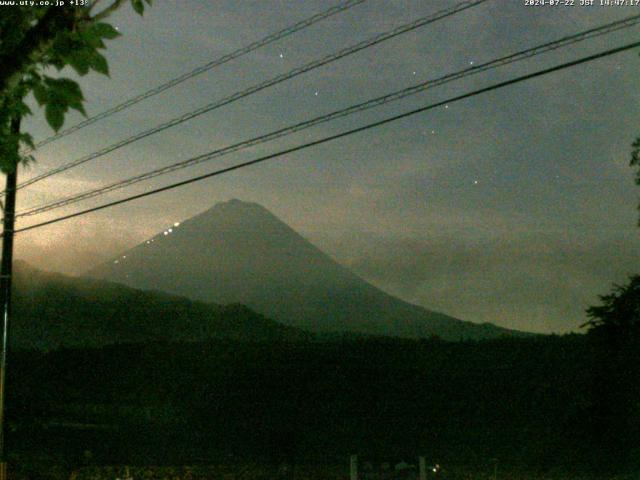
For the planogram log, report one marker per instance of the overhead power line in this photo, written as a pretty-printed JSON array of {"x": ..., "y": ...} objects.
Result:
[
  {"x": 330, "y": 138},
  {"x": 205, "y": 68},
  {"x": 505, "y": 60},
  {"x": 261, "y": 86}
]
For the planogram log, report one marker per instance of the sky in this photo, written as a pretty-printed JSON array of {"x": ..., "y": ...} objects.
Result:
[{"x": 515, "y": 207}]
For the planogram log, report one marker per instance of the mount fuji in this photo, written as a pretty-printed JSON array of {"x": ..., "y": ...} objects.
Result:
[{"x": 239, "y": 252}]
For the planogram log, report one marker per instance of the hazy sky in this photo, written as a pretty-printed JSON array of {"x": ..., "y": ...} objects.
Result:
[{"x": 515, "y": 207}]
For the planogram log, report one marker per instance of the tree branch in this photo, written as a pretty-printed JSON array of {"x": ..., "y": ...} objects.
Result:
[{"x": 35, "y": 41}]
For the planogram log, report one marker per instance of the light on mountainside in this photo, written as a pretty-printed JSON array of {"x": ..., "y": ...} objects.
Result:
[{"x": 239, "y": 252}]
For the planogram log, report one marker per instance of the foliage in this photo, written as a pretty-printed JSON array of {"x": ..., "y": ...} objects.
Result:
[
  {"x": 614, "y": 331},
  {"x": 635, "y": 161},
  {"x": 98, "y": 313},
  {"x": 520, "y": 400},
  {"x": 35, "y": 38},
  {"x": 614, "y": 413},
  {"x": 194, "y": 382},
  {"x": 619, "y": 313}
]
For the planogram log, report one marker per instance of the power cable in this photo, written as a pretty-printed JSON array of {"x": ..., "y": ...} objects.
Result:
[
  {"x": 204, "y": 68},
  {"x": 260, "y": 86},
  {"x": 330, "y": 138},
  {"x": 518, "y": 56}
]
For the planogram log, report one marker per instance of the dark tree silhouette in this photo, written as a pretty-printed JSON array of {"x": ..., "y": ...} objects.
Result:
[
  {"x": 619, "y": 314},
  {"x": 614, "y": 416},
  {"x": 613, "y": 419},
  {"x": 635, "y": 162}
]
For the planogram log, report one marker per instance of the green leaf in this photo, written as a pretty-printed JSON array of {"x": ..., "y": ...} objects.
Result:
[
  {"x": 27, "y": 139},
  {"x": 54, "y": 113},
  {"x": 63, "y": 46},
  {"x": 92, "y": 39},
  {"x": 104, "y": 30},
  {"x": 23, "y": 109},
  {"x": 99, "y": 64},
  {"x": 79, "y": 107},
  {"x": 138, "y": 6},
  {"x": 40, "y": 93},
  {"x": 63, "y": 90},
  {"x": 31, "y": 79},
  {"x": 58, "y": 64},
  {"x": 80, "y": 61}
]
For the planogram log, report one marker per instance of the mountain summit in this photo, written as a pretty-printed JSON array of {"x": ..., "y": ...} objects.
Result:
[{"x": 239, "y": 252}]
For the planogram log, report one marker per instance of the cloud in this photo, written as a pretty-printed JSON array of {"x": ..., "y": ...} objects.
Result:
[
  {"x": 550, "y": 155},
  {"x": 534, "y": 282}
]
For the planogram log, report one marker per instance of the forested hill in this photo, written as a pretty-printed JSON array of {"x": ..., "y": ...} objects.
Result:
[
  {"x": 540, "y": 403},
  {"x": 53, "y": 310}
]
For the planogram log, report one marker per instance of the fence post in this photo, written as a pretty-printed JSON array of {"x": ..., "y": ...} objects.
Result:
[
  {"x": 422, "y": 462},
  {"x": 354, "y": 467}
]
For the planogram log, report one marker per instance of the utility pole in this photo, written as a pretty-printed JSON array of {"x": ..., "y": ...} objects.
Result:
[
  {"x": 353, "y": 467},
  {"x": 422, "y": 468},
  {"x": 6, "y": 269}
]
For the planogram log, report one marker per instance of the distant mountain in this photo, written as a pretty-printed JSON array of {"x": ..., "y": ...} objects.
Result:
[
  {"x": 239, "y": 252},
  {"x": 53, "y": 310}
]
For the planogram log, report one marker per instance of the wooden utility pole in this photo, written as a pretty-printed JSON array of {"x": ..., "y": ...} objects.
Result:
[
  {"x": 422, "y": 468},
  {"x": 6, "y": 270},
  {"x": 353, "y": 467}
]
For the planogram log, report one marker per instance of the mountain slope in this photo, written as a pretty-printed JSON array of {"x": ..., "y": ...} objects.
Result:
[
  {"x": 53, "y": 310},
  {"x": 238, "y": 252}
]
